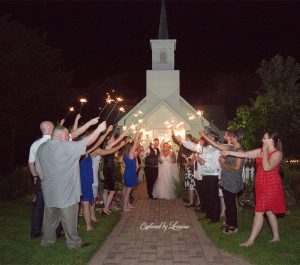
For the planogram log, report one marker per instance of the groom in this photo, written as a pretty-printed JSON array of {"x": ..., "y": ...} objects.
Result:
[{"x": 151, "y": 165}]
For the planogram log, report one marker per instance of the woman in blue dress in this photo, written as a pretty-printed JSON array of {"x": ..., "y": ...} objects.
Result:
[
  {"x": 87, "y": 197},
  {"x": 130, "y": 179}
]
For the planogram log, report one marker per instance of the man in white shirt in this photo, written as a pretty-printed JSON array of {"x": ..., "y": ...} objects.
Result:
[
  {"x": 38, "y": 204},
  {"x": 210, "y": 168}
]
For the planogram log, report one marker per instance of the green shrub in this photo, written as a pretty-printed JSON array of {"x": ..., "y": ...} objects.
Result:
[
  {"x": 17, "y": 184},
  {"x": 291, "y": 177}
]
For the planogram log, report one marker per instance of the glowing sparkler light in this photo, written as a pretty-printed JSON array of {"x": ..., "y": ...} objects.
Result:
[
  {"x": 122, "y": 109},
  {"x": 132, "y": 126},
  {"x": 137, "y": 114},
  {"x": 119, "y": 99},
  {"x": 109, "y": 100},
  {"x": 71, "y": 109},
  {"x": 191, "y": 116},
  {"x": 200, "y": 113},
  {"x": 83, "y": 100}
]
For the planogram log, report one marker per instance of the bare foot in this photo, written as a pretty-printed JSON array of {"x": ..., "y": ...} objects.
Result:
[
  {"x": 94, "y": 219},
  {"x": 274, "y": 240},
  {"x": 104, "y": 212},
  {"x": 89, "y": 228},
  {"x": 127, "y": 210},
  {"x": 247, "y": 244}
]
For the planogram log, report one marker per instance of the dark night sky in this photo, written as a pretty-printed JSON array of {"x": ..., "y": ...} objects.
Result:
[{"x": 103, "y": 38}]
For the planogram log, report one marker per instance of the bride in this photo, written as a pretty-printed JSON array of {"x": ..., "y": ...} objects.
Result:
[{"x": 164, "y": 187}]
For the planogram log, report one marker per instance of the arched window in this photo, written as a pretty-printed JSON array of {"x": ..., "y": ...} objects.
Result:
[{"x": 163, "y": 57}]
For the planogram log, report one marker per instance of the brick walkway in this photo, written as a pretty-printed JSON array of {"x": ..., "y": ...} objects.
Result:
[{"x": 129, "y": 244}]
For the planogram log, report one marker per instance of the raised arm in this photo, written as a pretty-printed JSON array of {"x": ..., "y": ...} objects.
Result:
[
  {"x": 120, "y": 138},
  {"x": 269, "y": 163},
  {"x": 94, "y": 135},
  {"x": 137, "y": 139},
  {"x": 75, "y": 125},
  {"x": 103, "y": 152},
  {"x": 101, "y": 139},
  {"x": 83, "y": 128},
  {"x": 212, "y": 142},
  {"x": 249, "y": 154},
  {"x": 192, "y": 146},
  {"x": 174, "y": 139}
]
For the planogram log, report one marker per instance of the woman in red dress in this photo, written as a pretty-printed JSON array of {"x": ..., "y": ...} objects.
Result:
[{"x": 269, "y": 194}]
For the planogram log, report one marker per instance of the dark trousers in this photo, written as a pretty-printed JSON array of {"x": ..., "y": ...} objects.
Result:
[
  {"x": 201, "y": 194},
  {"x": 212, "y": 200},
  {"x": 231, "y": 210},
  {"x": 151, "y": 174},
  {"x": 38, "y": 212}
]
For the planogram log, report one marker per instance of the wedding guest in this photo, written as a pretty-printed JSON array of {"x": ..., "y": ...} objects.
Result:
[
  {"x": 130, "y": 180},
  {"x": 211, "y": 170},
  {"x": 46, "y": 128},
  {"x": 231, "y": 178},
  {"x": 181, "y": 160},
  {"x": 109, "y": 171},
  {"x": 269, "y": 196},
  {"x": 57, "y": 164},
  {"x": 197, "y": 148},
  {"x": 151, "y": 165},
  {"x": 87, "y": 178}
]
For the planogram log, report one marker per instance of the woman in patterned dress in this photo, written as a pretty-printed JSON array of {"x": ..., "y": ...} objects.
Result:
[{"x": 269, "y": 194}]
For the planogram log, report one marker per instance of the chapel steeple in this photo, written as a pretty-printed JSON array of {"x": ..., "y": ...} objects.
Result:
[
  {"x": 163, "y": 48},
  {"x": 163, "y": 25}
]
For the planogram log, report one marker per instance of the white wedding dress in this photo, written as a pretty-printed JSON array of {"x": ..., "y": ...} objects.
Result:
[{"x": 164, "y": 186}]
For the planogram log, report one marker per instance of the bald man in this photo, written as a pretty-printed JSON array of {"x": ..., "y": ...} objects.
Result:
[
  {"x": 57, "y": 164},
  {"x": 38, "y": 205}
]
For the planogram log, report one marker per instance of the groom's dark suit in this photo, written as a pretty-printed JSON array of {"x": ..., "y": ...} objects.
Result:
[{"x": 151, "y": 169}]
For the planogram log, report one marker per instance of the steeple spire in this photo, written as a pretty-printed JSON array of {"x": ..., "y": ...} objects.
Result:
[{"x": 163, "y": 26}]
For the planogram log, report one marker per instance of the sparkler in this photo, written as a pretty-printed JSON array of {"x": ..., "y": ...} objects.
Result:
[
  {"x": 119, "y": 99},
  {"x": 191, "y": 116},
  {"x": 121, "y": 109},
  {"x": 137, "y": 114},
  {"x": 71, "y": 109},
  {"x": 108, "y": 100},
  {"x": 199, "y": 113},
  {"x": 82, "y": 101}
]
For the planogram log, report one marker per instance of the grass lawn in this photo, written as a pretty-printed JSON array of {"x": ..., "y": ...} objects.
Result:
[
  {"x": 16, "y": 247},
  {"x": 262, "y": 252}
]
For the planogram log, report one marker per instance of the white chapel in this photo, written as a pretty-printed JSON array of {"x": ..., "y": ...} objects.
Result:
[{"x": 163, "y": 109}]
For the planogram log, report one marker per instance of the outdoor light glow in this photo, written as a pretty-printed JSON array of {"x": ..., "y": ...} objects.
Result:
[
  {"x": 122, "y": 109},
  {"x": 124, "y": 128},
  {"x": 71, "y": 109},
  {"x": 119, "y": 99}
]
